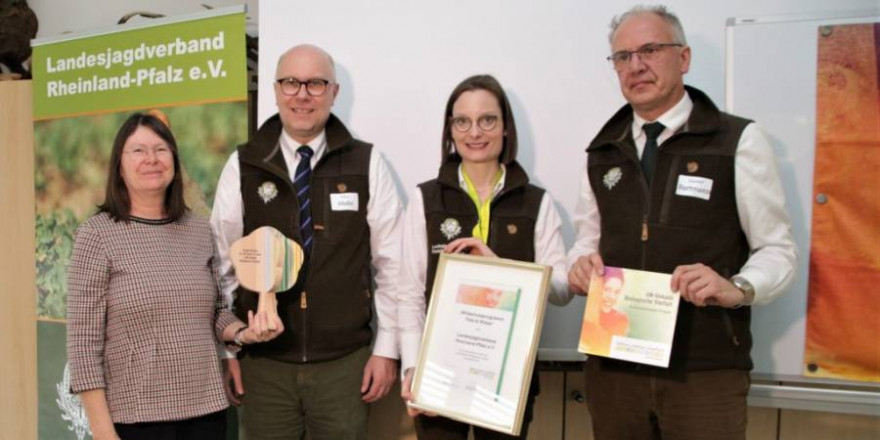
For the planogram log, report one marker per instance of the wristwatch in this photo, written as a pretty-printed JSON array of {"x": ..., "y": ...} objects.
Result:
[
  {"x": 746, "y": 288},
  {"x": 237, "y": 338}
]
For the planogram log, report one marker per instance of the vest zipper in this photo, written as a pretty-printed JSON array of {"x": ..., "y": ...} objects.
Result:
[
  {"x": 303, "y": 297},
  {"x": 645, "y": 229},
  {"x": 729, "y": 327},
  {"x": 644, "y": 241},
  {"x": 303, "y": 305},
  {"x": 647, "y": 193}
]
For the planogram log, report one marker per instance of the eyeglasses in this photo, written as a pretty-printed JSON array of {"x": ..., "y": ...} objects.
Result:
[
  {"x": 484, "y": 123},
  {"x": 646, "y": 53},
  {"x": 141, "y": 151},
  {"x": 314, "y": 86}
]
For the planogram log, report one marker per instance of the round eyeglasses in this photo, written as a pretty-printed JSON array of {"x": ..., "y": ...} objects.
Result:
[
  {"x": 484, "y": 123},
  {"x": 314, "y": 86}
]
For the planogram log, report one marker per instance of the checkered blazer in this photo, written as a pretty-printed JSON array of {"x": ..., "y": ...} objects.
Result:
[{"x": 144, "y": 317}]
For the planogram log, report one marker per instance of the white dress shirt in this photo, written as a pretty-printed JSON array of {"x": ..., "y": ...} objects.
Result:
[
  {"x": 549, "y": 250},
  {"x": 383, "y": 214},
  {"x": 760, "y": 203}
]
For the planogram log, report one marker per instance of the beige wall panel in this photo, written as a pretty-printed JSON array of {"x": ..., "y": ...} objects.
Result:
[
  {"x": 811, "y": 425},
  {"x": 763, "y": 423},
  {"x": 18, "y": 330},
  {"x": 388, "y": 419},
  {"x": 549, "y": 407},
  {"x": 578, "y": 424}
]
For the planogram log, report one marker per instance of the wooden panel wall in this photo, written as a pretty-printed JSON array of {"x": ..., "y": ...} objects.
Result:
[
  {"x": 18, "y": 330},
  {"x": 561, "y": 414},
  {"x": 811, "y": 425}
]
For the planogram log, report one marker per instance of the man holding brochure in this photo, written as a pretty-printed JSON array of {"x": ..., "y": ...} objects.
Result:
[{"x": 674, "y": 185}]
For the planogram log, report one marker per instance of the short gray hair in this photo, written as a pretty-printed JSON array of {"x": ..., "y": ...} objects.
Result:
[{"x": 658, "y": 10}]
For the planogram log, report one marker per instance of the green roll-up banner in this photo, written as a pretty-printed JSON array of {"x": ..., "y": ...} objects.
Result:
[{"x": 184, "y": 61}]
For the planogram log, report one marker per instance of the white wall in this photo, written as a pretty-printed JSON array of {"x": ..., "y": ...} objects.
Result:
[{"x": 398, "y": 61}]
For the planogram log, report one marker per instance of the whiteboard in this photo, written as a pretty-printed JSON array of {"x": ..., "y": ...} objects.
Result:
[
  {"x": 775, "y": 84},
  {"x": 397, "y": 61}
]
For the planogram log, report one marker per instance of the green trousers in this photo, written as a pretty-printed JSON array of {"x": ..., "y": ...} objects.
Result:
[{"x": 285, "y": 400}]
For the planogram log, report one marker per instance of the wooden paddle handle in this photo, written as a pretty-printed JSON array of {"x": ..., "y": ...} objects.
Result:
[{"x": 268, "y": 305}]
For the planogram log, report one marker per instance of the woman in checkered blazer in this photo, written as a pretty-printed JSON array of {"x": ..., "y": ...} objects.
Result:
[{"x": 145, "y": 318}]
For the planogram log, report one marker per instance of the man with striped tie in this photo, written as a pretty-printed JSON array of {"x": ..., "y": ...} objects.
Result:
[{"x": 304, "y": 174}]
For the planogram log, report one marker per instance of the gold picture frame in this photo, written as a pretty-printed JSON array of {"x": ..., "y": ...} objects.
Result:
[{"x": 480, "y": 340}]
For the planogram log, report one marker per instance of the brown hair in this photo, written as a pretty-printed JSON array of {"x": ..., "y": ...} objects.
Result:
[
  {"x": 491, "y": 85},
  {"x": 117, "y": 201}
]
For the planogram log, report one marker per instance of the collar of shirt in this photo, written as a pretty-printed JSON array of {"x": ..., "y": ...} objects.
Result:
[
  {"x": 498, "y": 186},
  {"x": 673, "y": 120},
  {"x": 289, "y": 147}
]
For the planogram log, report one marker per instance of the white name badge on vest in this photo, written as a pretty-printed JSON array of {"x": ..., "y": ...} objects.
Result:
[
  {"x": 694, "y": 186},
  {"x": 344, "y": 202}
]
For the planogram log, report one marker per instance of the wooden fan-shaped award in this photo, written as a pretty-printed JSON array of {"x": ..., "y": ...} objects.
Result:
[{"x": 267, "y": 262}]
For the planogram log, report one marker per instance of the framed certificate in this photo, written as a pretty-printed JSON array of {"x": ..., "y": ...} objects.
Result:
[{"x": 480, "y": 340}]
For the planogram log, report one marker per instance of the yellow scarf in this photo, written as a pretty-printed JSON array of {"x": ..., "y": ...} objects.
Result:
[{"x": 481, "y": 230}]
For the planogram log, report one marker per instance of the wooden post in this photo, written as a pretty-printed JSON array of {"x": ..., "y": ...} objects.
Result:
[{"x": 18, "y": 329}]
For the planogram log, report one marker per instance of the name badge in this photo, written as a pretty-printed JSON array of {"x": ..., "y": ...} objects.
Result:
[
  {"x": 344, "y": 202},
  {"x": 694, "y": 186}
]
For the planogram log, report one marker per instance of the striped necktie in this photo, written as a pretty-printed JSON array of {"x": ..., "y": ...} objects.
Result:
[
  {"x": 301, "y": 181},
  {"x": 649, "y": 156}
]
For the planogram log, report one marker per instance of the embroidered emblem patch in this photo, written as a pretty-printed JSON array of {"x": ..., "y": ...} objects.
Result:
[
  {"x": 511, "y": 229},
  {"x": 71, "y": 407},
  {"x": 450, "y": 228},
  {"x": 611, "y": 178},
  {"x": 267, "y": 191},
  {"x": 693, "y": 166}
]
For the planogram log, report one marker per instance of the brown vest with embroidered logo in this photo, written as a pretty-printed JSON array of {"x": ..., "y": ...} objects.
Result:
[
  {"x": 657, "y": 228},
  {"x": 513, "y": 214},
  {"x": 327, "y": 313}
]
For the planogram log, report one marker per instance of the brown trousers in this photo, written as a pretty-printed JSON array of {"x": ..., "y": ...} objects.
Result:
[{"x": 652, "y": 404}]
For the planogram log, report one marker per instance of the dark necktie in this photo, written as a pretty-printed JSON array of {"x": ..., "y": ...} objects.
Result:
[
  {"x": 649, "y": 155},
  {"x": 301, "y": 181}
]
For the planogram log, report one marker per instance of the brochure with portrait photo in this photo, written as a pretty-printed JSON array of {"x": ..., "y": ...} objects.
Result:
[{"x": 630, "y": 315}]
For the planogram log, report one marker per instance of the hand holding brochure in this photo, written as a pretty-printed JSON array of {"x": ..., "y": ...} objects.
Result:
[{"x": 630, "y": 315}]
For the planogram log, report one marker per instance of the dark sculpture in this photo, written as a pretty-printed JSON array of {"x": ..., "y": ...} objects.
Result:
[{"x": 18, "y": 26}]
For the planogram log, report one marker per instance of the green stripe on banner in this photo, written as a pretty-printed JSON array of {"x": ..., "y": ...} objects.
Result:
[{"x": 160, "y": 65}]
